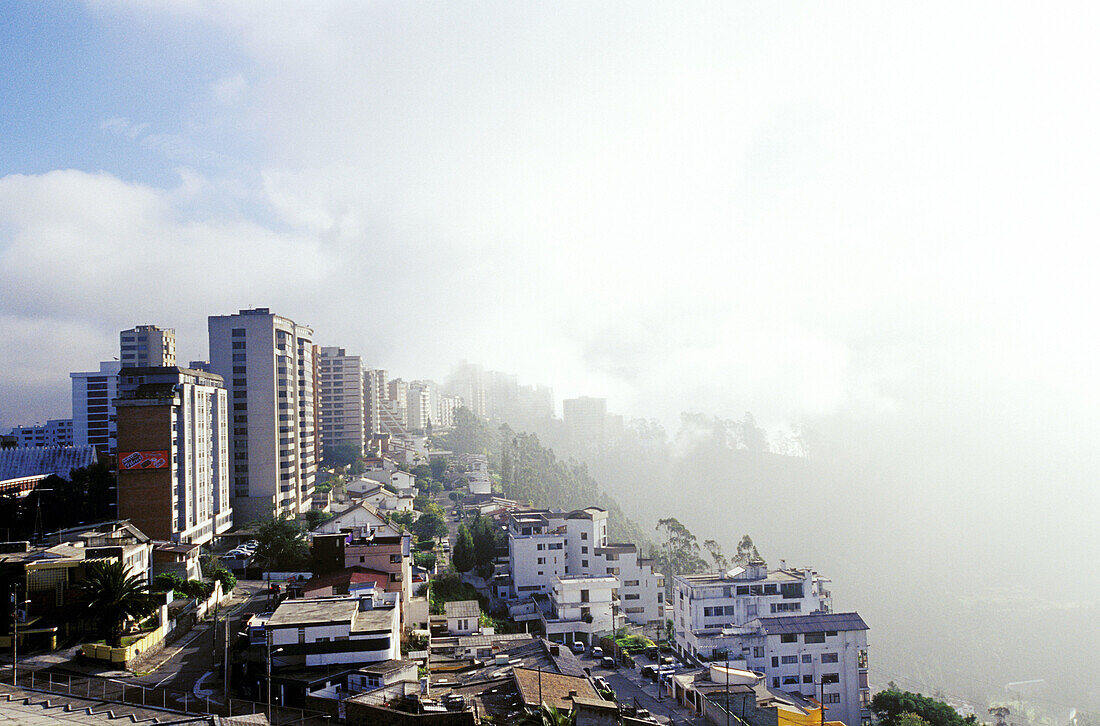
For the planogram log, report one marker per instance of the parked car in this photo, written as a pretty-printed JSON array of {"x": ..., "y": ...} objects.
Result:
[
  {"x": 650, "y": 672},
  {"x": 597, "y": 651},
  {"x": 608, "y": 662},
  {"x": 578, "y": 647},
  {"x": 652, "y": 652}
]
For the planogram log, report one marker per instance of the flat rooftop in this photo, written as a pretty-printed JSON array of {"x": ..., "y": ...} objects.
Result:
[{"x": 313, "y": 612}]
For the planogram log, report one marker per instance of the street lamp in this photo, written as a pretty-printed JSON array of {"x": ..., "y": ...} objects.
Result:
[
  {"x": 15, "y": 603},
  {"x": 270, "y": 653}
]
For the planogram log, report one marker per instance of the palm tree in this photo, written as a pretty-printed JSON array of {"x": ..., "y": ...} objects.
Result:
[
  {"x": 111, "y": 596},
  {"x": 547, "y": 716}
]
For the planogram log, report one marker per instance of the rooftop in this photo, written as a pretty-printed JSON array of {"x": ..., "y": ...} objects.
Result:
[
  {"x": 735, "y": 577},
  {"x": 313, "y": 611},
  {"x": 462, "y": 609},
  {"x": 554, "y": 689},
  {"x": 378, "y": 619},
  {"x": 812, "y": 623}
]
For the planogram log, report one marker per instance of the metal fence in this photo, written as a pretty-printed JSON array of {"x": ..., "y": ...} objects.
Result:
[{"x": 111, "y": 690}]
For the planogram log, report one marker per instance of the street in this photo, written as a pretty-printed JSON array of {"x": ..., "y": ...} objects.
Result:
[{"x": 182, "y": 663}]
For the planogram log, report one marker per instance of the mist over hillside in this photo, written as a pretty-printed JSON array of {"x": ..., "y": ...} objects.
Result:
[{"x": 964, "y": 594}]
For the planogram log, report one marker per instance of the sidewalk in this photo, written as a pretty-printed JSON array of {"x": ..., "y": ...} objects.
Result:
[{"x": 146, "y": 665}]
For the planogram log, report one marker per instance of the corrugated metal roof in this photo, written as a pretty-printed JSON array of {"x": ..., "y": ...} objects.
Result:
[
  {"x": 813, "y": 623},
  {"x": 462, "y": 609},
  {"x": 32, "y": 461}
]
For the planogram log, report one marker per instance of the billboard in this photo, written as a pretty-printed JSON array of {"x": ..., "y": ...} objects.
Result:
[{"x": 128, "y": 460}]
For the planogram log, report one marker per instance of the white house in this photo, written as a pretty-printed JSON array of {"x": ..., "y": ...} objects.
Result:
[
  {"x": 332, "y": 631},
  {"x": 821, "y": 656},
  {"x": 704, "y": 604},
  {"x": 580, "y": 608},
  {"x": 463, "y": 617},
  {"x": 361, "y": 520},
  {"x": 543, "y": 545}
]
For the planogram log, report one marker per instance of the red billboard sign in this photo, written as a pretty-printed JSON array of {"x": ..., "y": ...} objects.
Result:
[{"x": 143, "y": 460}]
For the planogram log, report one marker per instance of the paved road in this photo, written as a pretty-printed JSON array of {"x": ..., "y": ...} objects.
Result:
[
  {"x": 630, "y": 686},
  {"x": 184, "y": 662}
]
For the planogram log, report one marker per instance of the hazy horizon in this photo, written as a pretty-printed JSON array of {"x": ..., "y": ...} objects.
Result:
[{"x": 873, "y": 221}]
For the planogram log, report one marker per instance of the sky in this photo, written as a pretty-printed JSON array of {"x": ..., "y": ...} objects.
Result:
[
  {"x": 877, "y": 221},
  {"x": 876, "y": 214}
]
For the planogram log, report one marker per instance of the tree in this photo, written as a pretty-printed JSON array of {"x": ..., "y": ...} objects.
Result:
[
  {"x": 342, "y": 455},
  {"x": 894, "y": 708},
  {"x": 110, "y": 597},
  {"x": 167, "y": 581},
  {"x": 357, "y": 467},
  {"x": 432, "y": 524},
  {"x": 316, "y": 517},
  {"x": 746, "y": 550},
  {"x": 422, "y": 471},
  {"x": 680, "y": 555},
  {"x": 425, "y": 560},
  {"x": 715, "y": 552},
  {"x": 486, "y": 536},
  {"x": 282, "y": 545},
  {"x": 438, "y": 466},
  {"x": 463, "y": 557},
  {"x": 546, "y": 715}
]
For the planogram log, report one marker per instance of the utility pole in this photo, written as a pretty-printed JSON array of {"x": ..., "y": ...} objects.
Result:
[
  {"x": 14, "y": 632},
  {"x": 225, "y": 668}
]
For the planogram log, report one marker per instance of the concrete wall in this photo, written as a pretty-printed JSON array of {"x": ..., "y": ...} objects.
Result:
[{"x": 361, "y": 714}]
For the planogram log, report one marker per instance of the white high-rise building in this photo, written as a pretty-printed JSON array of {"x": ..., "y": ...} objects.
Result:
[
  {"x": 147, "y": 346},
  {"x": 267, "y": 363},
  {"x": 343, "y": 410},
  {"x": 55, "y": 432},
  {"x": 374, "y": 392},
  {"x": 419, "y": 406},
  {"x": 93, "y": 407},
  {"x": 586, "y": 418}
]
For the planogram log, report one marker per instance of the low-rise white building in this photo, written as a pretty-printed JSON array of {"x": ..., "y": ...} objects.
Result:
[
  {"x": 463, "y": 617},
  {"x": 544, "y": 545},
  {"x": 331, "y": 631},
  {"x": 580, "y": 608},
  {"x": 822, "y": 656},
  {"x": 704, "y": 604}
]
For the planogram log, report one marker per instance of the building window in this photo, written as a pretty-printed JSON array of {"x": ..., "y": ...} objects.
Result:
[
  {"x": 584, "y": 563},
  {"x": 584, "y": 595},
  {"x": 584, "y": 535},
  {"x": 301, "y": 635},
  {"x": 814, "y": 637},
  {"x": 807, "y": 658},
  {"x": 789, "y": 659},
  {"x": 829, "y": 658},
  {"x": 807, "y": 678},
  {"x": 832, "y": 698},
  {"x": 788, "y": 638},
  {"x": 829, "y": 678}
]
